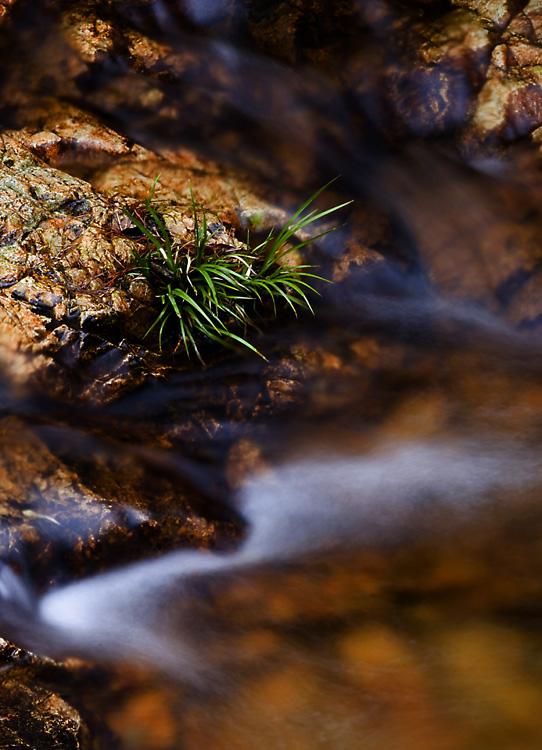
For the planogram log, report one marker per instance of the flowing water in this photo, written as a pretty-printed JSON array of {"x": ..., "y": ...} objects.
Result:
[{"x": 382, "y": 585}]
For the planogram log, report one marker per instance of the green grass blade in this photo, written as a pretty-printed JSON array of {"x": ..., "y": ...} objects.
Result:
[
  {"x": 207, "y": 289},
  {"x": 206, "y": 314},
  {"x": 163, "y": 316},
  {"x": 149, "y": 235},
  {"x": 184, "y": 336},
  {"x": 239, "y": 340},
  {"x": 153, "y": 188},
  {"x": 167, "y": 242},
  {"x": 210, "y": 284}
]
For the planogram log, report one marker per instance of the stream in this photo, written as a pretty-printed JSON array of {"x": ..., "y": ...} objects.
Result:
[{"x": 338, "y": 546}]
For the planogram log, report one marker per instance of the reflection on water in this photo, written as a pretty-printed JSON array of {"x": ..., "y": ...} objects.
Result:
[{"x": 382, "y": 589}]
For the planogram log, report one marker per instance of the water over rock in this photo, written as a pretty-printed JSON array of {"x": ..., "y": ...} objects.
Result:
[{"x": 115, "y": 452}]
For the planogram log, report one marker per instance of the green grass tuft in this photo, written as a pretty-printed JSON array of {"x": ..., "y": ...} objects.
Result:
[{"x": 210, "y": 290}]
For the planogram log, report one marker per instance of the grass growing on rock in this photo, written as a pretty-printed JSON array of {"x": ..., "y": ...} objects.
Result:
[{"x": 210, "y": 290}]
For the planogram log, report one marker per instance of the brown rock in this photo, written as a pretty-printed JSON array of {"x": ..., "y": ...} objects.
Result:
[
  {"x": 37, "y": 718},
  {"x": 499, "y": 12},
  {"x": 442, "y": 65}
]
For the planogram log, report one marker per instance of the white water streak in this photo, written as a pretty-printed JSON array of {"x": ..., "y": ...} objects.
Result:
[{"x": 316, "y": 504}]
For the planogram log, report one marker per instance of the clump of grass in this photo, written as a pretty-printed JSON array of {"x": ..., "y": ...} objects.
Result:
[{"x": 210, "y": 290}]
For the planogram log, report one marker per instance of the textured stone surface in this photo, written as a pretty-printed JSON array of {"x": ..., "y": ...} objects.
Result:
[
  {"x": 65, "y": 252},
  {"x": 499, "y": 12},
  {"x": 33, "y": 716},
  {"x": 420, "y": 106}
]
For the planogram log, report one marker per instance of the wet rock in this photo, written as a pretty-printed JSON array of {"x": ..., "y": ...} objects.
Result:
[
  {"x": 65, "y": 251},
  {"x": 510, "y": 103},
  {"x": 499, "y": 12},
  {"x": 471, "y": 68},
  {"x": 57, "y": 520},
  {"x": 85, "y": 492},
  {"x": 437, "y": 70},
  {"x": 39, "y": 495},
  {"x": 226, "y": 196},
  {"x": 38, "y": 715},
  {"x": 74, "y": 140},
  {"x": 5, "y": 9},
  {"x": 57, "y": 252},
  {"x": 37, "y": 718}
]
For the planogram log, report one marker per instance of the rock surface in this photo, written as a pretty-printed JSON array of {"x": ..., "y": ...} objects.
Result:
[{"x": 112, "y": 450}]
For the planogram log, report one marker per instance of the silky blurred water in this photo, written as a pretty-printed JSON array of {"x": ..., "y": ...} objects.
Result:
[{"x": 384, "y": 589}]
